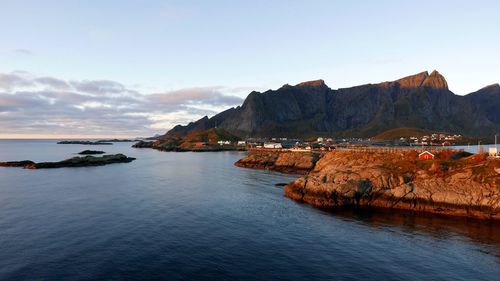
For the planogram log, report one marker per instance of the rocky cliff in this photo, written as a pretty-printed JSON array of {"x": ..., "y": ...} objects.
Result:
[
  {"x": 311, "y": 108},
  {"x": 468, "y": 186},
  {"x": 454, "y": 183},
  {"x": 285, "y": 162}
]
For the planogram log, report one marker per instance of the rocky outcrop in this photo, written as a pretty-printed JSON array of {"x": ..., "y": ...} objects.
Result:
[
  {"x": 85, "y": 142},
  {"x": 197, "y": 141},
  {"x": 144, "y": 144},
  {"x": 285, "y": 162},
  {"x": 23, "y": 163},
  {"x": 71, "y": 162},
  {"x": 464, "y": 187},
  {"x": 91, "y": 152}
]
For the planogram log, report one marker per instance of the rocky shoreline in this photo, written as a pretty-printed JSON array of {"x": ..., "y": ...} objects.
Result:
[
  {"x": 452, "y": 184},
  {"x": 85, "y": 161},
  {"x": 285, "y": 162}
]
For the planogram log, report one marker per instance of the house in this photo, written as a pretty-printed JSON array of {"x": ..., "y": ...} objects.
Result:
[
  {"x": 200, "y": 144},
  {"x": 272, "y": 145},
  {"x": 242, "y": 143},
  {"x": 222, "y": 142},
  {"x": 426, "y": 155}
]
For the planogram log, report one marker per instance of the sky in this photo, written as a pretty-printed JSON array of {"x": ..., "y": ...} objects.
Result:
[{"x": 136, "y": 68}]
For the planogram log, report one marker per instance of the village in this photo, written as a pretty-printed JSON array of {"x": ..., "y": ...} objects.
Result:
[{"x": 428, "y": 145}]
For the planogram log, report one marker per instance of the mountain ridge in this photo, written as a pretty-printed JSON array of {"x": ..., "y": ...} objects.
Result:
[{"x": 311, "y": 108}]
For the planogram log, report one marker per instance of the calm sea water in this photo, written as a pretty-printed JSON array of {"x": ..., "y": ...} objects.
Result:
[{"x": 195, "y": 216}]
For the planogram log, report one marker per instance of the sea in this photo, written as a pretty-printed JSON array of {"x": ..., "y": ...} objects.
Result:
[{"x": 195, "y": 216}]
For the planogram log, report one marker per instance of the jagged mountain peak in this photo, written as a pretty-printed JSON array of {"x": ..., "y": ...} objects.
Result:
[
  {"x": 312, "y": 83},
  {"x": 435, "y": 80},
  {"x": 413, "y": 81},
  {"x": 424, "y": 79}
]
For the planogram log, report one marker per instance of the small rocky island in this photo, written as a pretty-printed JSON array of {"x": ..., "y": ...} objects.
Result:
[
  {"x": 86, "y": 142},
  {"x": 84, "y": 161},
  {"x": 116, "y": 140},
  {"x": 91, "y": 152},
  {"x": 453, "y": 183}
]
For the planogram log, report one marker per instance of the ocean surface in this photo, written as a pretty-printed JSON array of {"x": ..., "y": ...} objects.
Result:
[{"x": 195, "y": 216}]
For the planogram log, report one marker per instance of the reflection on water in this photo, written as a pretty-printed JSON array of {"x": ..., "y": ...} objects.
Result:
[
  {"x": 442, "y": 227},
  {"x": 195, "y": 216}
]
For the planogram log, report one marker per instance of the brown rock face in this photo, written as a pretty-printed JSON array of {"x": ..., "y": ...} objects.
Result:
[
  {"x": 465, "y": 187},
  {"x": 285, "y": 162},
  {"x": 413, "y": 81}
]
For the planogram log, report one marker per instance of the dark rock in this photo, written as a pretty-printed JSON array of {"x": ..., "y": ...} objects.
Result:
[
  {"x": 144, "y": 144},
  {"x": 90, "y": 152},
  {"x": 16, "y": 163},
  {"x": 72, "y": 162}
]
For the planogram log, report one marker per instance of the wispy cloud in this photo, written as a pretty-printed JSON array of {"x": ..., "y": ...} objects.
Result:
[
  {"x": 45, "y": 105},
  {"x": 22, "y": 51}
]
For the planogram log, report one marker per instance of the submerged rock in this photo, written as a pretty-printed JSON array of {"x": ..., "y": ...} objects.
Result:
[{"x": 71, "y": 162}]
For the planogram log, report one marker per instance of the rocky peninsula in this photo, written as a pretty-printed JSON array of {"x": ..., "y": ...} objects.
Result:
[
  {"x": 71, "y": 162},
  {"x": 454, "y": 183},
  {"x": 200, "y": 141}
]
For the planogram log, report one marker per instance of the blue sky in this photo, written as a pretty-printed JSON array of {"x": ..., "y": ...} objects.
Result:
[{"x": 228, "y": 48}]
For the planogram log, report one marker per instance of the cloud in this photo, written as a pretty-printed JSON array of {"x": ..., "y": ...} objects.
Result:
[
  {"x": 49, "y": 105},
  {"x": 52, "y": 82},
  {"x": 14, "y": 80},
  {"x": 210, "y": 96},
  {"x": 98, "y": 86},
  {"x": 22, "y": 51}
]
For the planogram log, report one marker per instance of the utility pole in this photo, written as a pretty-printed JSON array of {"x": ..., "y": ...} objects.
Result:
[{"x": 496, "y": 148}]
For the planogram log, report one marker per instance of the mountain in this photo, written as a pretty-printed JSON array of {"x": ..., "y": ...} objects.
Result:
[
  {"x": 488, "y": 99},
  {"x": 312, "y": 108}
]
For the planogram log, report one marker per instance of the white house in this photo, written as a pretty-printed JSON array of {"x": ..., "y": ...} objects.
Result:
[
  {"x": 221, "y": 142},
  {"x": 272, "y": 145},
  {"x": 242, "y": 143}
]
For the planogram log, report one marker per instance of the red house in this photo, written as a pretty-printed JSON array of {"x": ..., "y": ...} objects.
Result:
[{"x": 426, "y": 155}]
